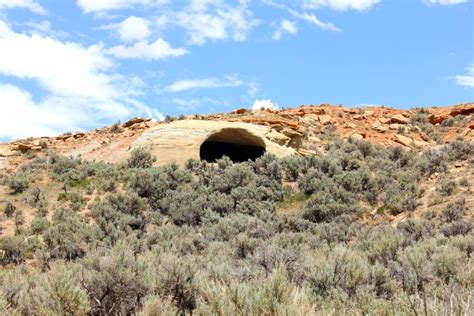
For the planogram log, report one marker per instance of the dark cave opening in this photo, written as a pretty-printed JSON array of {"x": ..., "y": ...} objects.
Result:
[{"x": 237, "y": 144}]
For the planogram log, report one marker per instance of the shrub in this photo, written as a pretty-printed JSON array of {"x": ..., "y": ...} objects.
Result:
[
  {"x": 13, "y": 250},
  {"x": 18, "y": 183},
  {"x": 185, "y": 207},
  {"x": 33, "y": 196},
  {"x": 8, "y": 208},
  {"x": 446, "y": 187},
  {"x": 115, "y": 281},
  {"x": 68, "y": 237},
  {"x": 116, "y": 128},
  {"x": 324, "y": 206},
  {"x": 177, "y": 282},
  {"x": 454, "y": 211},
  {"x": 341, "y": 269},
  {"x": 117, "y": 215},
  {"x": 39, "y": 225},
  {"x": 140, "y": 158},
  {"x": 460, "y": 227}
]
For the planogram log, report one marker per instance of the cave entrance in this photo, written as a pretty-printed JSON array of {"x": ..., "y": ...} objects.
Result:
[{"x": 237, "y": 144}]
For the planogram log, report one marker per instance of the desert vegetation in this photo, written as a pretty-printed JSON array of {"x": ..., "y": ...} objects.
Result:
[{"x": 293, "y": 236}]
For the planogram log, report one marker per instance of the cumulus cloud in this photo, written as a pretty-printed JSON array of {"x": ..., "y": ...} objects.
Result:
[
  {"x": 31, "y": 5},
  {"x": 444, "y": 2},
  {"x": 467, "y": 79},
  {"x": 133, "y": 29},
  {"x": 343, "y": 5},
  {"x": 159, "y": 49},
  {"x": 105, "y": 5},
  {"x": 311, "y": 18},
  {"x": 80, "y": 86},
  {"x": 285, "y": 27},
  {"x": 207, "y": 83},
  {"x": 215, "y": 20},
  {"x": 264, "y": 104}
]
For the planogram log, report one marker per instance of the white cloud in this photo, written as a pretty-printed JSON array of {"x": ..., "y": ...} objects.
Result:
[
  {"x": 44, "y": 28},
  {"x": 133, "y": 29},
  {"x": 207, "y": 83},
  {"x": 159, "y": 49},
  {"x": 444, "y": 2},
  {"x": 215, "y": 20},
  {"x": 81, "y": 88},
  {"x": 104, "y": 5},
  {"x": 265, "y": 104},
  {"x": 467, "y": 79},
  {"x": 343, "y": 5},
  {"x": 285, "y": 27},
  {"x": 61, "y": 67},
  {"x": 311, "y": 18},
  {"x": 31, "y": 5}
]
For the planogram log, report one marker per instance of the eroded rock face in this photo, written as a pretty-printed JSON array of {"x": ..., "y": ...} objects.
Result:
[{"x": 181, "y": 140}]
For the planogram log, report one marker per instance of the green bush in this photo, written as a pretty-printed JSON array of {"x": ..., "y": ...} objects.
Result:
[
  {"x": 140, "y": 158},
  {"x": 18, "y": 184}
]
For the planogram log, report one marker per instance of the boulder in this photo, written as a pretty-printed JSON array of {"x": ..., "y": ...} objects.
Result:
[
  {"x": 357, "y": 136},
  {"x": 134, "y": 121},
  {"x": 278, "y": 138},
  {"x": 325, "y": 119},
  {"x": 384, "y": 120},
  {"x": 290, "y": 132},
  {"x": 369, "y": 113},
  {"x": 22, "y": 147},
  {"x": 400, "y": 119},
  {"x": 5, "y": 151},
  {"x": 240, "y": 111},
  {"x": 377, "y": 126},
  {"x": 405, "y": 141},
  {"x": 395, "y": 126}
]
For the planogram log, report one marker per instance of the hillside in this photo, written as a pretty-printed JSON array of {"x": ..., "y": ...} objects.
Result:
[
  {"x": 339, "y": 211},
  {"x": 305, "y": 129}
]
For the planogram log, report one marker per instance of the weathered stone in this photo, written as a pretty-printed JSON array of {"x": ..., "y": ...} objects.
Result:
[
  {"x": 5, "y": 151},
  {"x": 278, "y": 138},
  {"x": 240, "y": 111},
  {"x": 290, "y": 132},
  {"x": 25, "y": 147},
  {"x": 306, "y": 152},
  {"x": 384, "y": 120},
  {"x": 325, "y": 119},
  {"x": 64, "y": 137},
  {"x": 357, "y": 136},
  {"x": 377, "y": 126},
  {"x": 314, "y": 139},
  {"x": 181, "y": 140},
  {"x": 133, "y": 121},
  {"x": 369, "y": 113},
  {"x": 405, "y": 141},
  {"x": 395, "y": 127},
  {"x": 400, "y": 119}
]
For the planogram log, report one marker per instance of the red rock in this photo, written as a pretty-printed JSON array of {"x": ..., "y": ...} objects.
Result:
[
  {"x": 240, "y": 111},
  {"x": 134, "y": 120},
  {"x": 400, "y": 119}
]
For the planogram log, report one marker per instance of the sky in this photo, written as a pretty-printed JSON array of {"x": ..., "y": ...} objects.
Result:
[{"x": 74, "y": 65}]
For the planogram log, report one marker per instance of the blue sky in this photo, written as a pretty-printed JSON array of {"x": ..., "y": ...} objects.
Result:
[{"x": 73, "y": 65}]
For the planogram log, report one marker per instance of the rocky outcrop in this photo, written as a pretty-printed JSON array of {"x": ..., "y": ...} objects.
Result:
[
  {"x": 135, "y": 120},
  {"x": 179, "y": 141}
]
